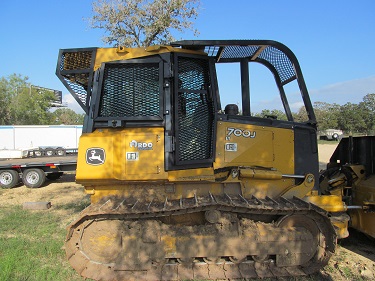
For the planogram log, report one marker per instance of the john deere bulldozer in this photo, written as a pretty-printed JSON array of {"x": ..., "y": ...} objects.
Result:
[{"x": 183, "y": 187}]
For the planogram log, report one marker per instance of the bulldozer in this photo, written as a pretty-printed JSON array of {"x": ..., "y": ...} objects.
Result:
[{"x": 183, "y": 189}]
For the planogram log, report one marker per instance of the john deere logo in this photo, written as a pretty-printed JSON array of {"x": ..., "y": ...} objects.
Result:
[{"x": 95, "y": 156}]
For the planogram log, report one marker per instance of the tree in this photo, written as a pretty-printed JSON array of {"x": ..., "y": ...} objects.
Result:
[
  {"x": 4, "y": 102},
  {"x": 22, "y": 103},
  {"x": 368, "y": 110},
  {"x": 351, "y": 118},
  {"x": 301, "y": 115},
  {"x": 67, "y": 116},
  {"x": 141, "y": 23},
  {"x": 326, "y": 115},
  {"x": 275, "y": 113},
  {"x": 31, "y": 106}
]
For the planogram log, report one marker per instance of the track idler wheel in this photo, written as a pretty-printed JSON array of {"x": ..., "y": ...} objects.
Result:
[{"x": 324, "y": 241}]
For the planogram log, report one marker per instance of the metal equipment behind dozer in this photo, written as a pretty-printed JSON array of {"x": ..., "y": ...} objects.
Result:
[{"x": 350, "y": 173}]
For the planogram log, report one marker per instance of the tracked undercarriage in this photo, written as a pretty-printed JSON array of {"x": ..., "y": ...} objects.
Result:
[{"x": 212, "y": 237}]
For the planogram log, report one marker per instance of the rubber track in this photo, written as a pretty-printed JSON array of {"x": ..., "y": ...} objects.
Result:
[{"x": 132, "y": 209}]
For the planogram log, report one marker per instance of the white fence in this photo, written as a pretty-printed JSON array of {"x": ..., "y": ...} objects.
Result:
[{"x": 18, "y": 137}]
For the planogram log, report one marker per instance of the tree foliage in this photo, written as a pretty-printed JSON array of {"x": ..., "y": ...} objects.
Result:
[
  {"x": 274, "y": 113},
  {"x": 5, "y": 99},
  {"x": 301, "y": 115},
  {"x": 368, "y": 110},
  {"x": 23, "y": 104},
  {"x": 67, "y": 116},
  {"x": 350, "y": 117},
  {"x": 141, "y": 23},
  {"x": 326, "y": 114}
]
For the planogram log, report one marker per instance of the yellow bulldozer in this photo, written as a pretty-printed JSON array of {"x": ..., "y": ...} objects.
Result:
[{"x": 184, "y": 189}]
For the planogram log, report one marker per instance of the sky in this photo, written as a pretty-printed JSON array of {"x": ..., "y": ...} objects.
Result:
[{"x": 334, "y": 41}]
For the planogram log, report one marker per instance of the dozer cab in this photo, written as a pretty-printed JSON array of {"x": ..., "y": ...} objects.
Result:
[{"x": 182, "y": 189}]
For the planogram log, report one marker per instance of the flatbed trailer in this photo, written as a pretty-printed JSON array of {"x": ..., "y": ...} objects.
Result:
[{"x": 34, "y": 171}]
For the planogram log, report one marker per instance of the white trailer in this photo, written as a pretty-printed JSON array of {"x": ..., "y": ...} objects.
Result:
[
  {"x": 24, "y": 141},
  {"x": 18, "y": 137},
  {"x": 52, "y": 143}
]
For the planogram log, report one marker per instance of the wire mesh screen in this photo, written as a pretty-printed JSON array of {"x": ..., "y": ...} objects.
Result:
[
  {"x": 272, "y": 55},
  {"x": 76, "y": 60},
  {"x": 231, "y": 52},
  {"x": 75, "y": 69},
  {"x": 79, "y": 88},
  {"x": 130, "y": 90},
  {"x": 280, "y": 61},
  {"x": 195, "y": 111}
]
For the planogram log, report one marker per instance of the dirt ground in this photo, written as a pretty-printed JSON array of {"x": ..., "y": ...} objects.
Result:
[
  {"x": 325, "y": 152},
  {"x": 354, "y": 258}
]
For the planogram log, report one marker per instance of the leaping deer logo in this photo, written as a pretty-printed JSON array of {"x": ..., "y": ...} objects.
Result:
[{"x": 95, "y": 156}]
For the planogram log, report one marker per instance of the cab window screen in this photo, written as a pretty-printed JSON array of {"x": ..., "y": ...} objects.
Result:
[
  {"x": 194, "y": 111},
  {"x": 130, "y": 90}
]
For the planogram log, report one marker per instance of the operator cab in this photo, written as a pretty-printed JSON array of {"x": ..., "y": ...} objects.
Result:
[{"x": 176, "y": 87}]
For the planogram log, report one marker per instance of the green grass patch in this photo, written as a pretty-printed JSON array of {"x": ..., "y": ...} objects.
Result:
[
  {"x": 31, "y": 246},
  {"x": 347, "y": 272}
]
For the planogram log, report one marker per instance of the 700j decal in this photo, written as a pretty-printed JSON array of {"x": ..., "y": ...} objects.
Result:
[{"x": 241, "y": 133}]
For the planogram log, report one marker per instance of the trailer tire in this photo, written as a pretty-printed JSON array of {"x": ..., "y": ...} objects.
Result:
[
  {"x": 60, "y": 151},
  {"x": 9, "y": 178},
  {"x": 49, "y": 152},
  {"x": 33, "y": 178}
]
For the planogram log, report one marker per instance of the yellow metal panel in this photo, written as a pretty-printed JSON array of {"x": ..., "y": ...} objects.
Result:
[
  {"x": 130, "y": 154},
  {"x": 250, "y": 145},
  {"x": 144, "y": 154},
  {"x": 98, "y": 171},
  {"x": 362, "y": 221},
  {"x": 203, "y": 174},
  {"x": 121, "y": 53},
  {"x": 257, "y": 144},
  {"x": 364, "y": 195},
  {"x": 269, "y": 151}
]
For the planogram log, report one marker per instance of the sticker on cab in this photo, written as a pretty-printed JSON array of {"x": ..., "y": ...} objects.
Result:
[
  {"x": 132, "y": 156},
  {"x": 95, "y": 156},
  {"x": 231, "y": 147}
]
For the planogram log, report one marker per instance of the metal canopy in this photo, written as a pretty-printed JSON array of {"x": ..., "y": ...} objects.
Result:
[
  {"x": 268, "y": 52},
  {"x": 274, "y": 55}
]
